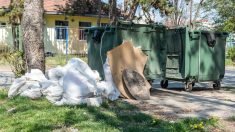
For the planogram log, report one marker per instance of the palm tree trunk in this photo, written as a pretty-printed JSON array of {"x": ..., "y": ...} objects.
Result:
[{"x": 32, "y": 26}]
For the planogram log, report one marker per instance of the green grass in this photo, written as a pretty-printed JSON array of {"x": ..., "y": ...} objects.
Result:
[
  {"x": 231, "y": 89},
  {"x": 52, "y": 62},
  {"x": 232, "y": 118},
  {"x": 229, "y": 62},
  {"x": 61, "y": 60},
  {"x": 22, "y": 114}
]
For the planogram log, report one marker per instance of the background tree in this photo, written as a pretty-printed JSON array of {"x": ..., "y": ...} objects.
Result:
[
  {"x": 32, "y": 26},
  {"x": 14, "y": 57},
  {"x": 99, "y": 5},
  {"x": 224, "y": 10},
  {"x": 83, "y": 7},
  {"x": 147, "y": 7},
  {"x": 185, "y": 12},
  {"x": 112, "y": 11}
]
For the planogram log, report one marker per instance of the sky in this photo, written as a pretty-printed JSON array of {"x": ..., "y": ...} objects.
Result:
[{"x": 157, "y": 16}]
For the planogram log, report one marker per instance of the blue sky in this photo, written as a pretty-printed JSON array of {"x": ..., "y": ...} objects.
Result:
[{"x": 157, "y": 17}]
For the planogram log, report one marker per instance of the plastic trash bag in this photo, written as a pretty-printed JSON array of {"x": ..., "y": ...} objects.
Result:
[
  {"x": 110, "y": 89},
  {"x": 53, "y": 93},
  {"x": 34, "y": 93},
  {"x": 76, "y": 85},
  {"x": 36, "y": 75},
  {"x": 15, "y": 87}
]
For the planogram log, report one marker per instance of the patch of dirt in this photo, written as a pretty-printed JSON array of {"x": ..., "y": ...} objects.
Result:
[
  {"x": 5, "y": 68},
  {"x": 2, "y": 102},
  {"x": 227, "y": 126},
  {"x": 172, "y": 105}
]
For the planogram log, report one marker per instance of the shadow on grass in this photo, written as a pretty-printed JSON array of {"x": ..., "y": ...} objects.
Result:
[{"x": 40, "y": 115}]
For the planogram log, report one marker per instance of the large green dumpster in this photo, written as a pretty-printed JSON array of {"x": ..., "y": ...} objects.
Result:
[
  {"x": 195, "y": 56},
  {"x": 150, "y": 38}
]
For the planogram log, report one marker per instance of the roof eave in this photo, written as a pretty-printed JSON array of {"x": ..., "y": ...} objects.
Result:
[{"x": 62, "y": 13}]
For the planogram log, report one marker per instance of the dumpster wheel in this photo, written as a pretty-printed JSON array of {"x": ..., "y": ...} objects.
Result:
[
  {"x": 189, "y": 86},
  {"x": 216, "y": 85},
  {"x": 164, "y": 83}
]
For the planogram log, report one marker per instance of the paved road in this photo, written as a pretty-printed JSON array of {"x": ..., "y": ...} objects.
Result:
[
  {"x": 228, "y": 81},
  {"x": 6, "y": 79},
  {"x": 203, "y": 101}
]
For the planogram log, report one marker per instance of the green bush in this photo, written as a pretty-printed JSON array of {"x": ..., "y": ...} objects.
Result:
[
  {"x": 16, "y": 61},
  {"x": 231, "y": 53}
]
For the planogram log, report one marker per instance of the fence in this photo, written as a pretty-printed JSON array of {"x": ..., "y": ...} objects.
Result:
[
  {"x": 65, "y": 40},
  {"x": 61, "y": 43}
]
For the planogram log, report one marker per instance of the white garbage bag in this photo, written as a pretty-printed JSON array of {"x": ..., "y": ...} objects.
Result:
[
  {"x": 76, "y": 85},
  {"x": 75, "y": 101},
  {"x": 15, "y": 87},
  {"x": 35, "y": 75},
  {"x": 95, "y": 101},
  {"x": 47, "y": 83},
  {"x": 109, "y": 87},
  {"x": 55, "y": 74},
  {"x": 53, "y": 93},
  {"x": 29, "y": 85},
  {"x": 73, "y": 84},
  {"x": 84, "y": 69},
  {"x": 34, "y": 93}
]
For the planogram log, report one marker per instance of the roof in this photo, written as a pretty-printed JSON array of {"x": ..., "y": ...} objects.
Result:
[
  {"x": 49, "y": 5},
  {"x": 52, "y": 5},
  {"x": 4, "y": 3},
  {"x": 57, "y": 6}
]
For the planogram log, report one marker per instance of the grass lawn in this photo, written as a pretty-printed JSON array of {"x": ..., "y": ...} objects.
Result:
[
  {"x": 61, "y": 60},
  {"x": 22, "y": 114},
  {"x": 229, "y": 62},
  {"x": 232, "y": 118}
]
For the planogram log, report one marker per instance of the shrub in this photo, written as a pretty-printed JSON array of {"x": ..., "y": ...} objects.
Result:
[
  {"x": 16, "y": 61},
  {"x": 231, "y": 53}
]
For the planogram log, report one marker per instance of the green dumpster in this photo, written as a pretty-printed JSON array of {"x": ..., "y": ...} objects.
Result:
[
  {"x": 195, "y": 56},
  {"x": 150, "y": 38}
]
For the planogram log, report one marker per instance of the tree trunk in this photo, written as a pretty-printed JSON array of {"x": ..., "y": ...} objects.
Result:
[
  {"x": 32, "y": 26},
  {"x": 112, "y": 11},
  {"x": 99, "y": 12},
  {"x": 197, "y": 11},
  {"x": 133, "y": 9},
  {"x": 191, "y": 13}
]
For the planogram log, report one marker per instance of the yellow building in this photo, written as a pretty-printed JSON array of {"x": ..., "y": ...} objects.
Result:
[{"x": 60, "y": 31}]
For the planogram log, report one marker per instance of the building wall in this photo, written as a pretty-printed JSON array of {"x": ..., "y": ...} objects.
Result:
[
  {"x": 75, "y": 46},
  {"x": 5, "y": 32}
]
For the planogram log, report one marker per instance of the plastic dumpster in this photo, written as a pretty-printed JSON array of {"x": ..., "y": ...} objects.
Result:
[
  {"x": 195, "y": 56},
  {"x": 150, "y": 38}
]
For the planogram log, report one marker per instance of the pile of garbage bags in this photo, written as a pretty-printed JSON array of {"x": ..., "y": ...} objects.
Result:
[{"x": 73, "y": 84}]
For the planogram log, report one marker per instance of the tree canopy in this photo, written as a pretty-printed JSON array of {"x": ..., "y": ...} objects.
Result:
[{"x": 224, "y": 14}]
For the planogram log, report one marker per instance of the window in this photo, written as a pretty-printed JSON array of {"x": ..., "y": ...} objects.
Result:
[
  {"x": 62, "y": 23},
  {"x": 61, "y": 29},
  {"x": 83, "y": 25},
  {"x": 104, "y": 24},
  {"x": 2, "y": 24}
]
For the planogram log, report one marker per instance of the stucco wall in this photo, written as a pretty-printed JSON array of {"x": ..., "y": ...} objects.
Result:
[{"x": 75, "y": 45}]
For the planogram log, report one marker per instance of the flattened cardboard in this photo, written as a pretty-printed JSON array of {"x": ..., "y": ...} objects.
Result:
[{"x": 123, "y": 57}]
